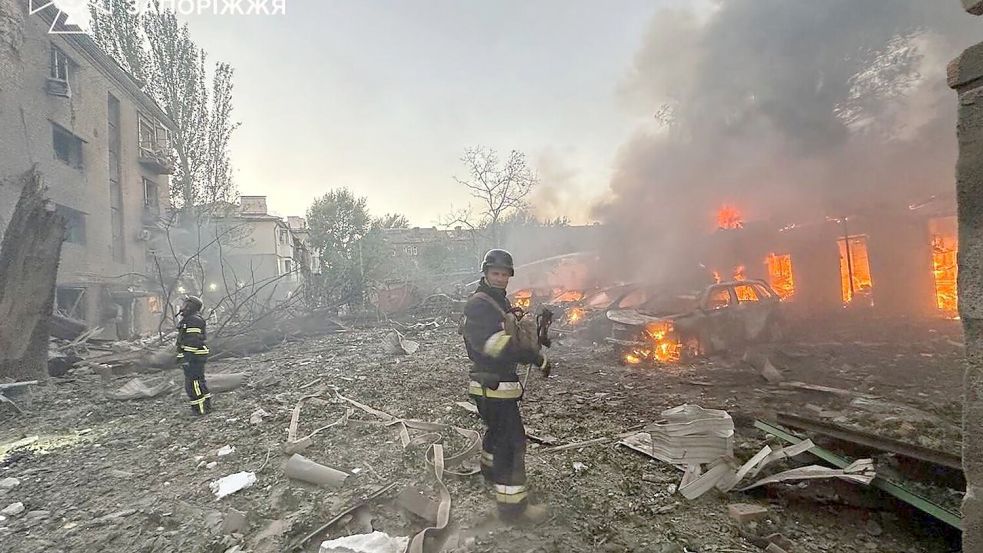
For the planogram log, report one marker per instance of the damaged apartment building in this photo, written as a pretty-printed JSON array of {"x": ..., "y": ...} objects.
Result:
[
  {"x": 897, "y": 260},
  {"x": 101, "y": 146}
]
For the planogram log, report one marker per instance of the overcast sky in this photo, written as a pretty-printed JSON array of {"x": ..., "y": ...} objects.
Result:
[{"x": 383, "y": 96}]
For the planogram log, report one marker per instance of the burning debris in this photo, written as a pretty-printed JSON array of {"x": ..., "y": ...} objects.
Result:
[
  {"x": 660, "y": 346},
  {"x": 729, "y": 217}
]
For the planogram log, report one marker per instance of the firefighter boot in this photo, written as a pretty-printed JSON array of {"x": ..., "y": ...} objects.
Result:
[{"x": 531, "y": 514}]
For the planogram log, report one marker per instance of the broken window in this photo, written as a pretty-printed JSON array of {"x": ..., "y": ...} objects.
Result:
[
  {"x": 855, "y": 277},
  {"x": 151, "y": 196},
  {"x": 68, "y": 147},
  {"x": 59, "y": 64},
  {"x": 780, "y": 274},
  {"x": 746, "y": 294},
  {"x": 719, "y": 298},
  {"x": 75, "y": 224},
  {"x": 762, "y": 291},
  {"x": 69, "y": 302}
]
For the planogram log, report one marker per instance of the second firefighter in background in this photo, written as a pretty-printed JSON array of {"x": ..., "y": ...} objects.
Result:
[
  {"x": 496, "y": 389},
  {"x": 192, "y": 353}
]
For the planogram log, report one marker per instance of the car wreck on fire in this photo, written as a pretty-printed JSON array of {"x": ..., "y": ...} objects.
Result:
[{"x": 673, "y": 327}]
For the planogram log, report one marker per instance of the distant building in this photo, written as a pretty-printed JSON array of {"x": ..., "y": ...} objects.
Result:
[
  {"x": 306, "y": 254},
  {"x": 102, "y": 146},
  {"x": 264, "y": 251}
]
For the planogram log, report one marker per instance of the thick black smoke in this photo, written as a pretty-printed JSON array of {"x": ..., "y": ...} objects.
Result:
[{"x": 789, "y": 109}]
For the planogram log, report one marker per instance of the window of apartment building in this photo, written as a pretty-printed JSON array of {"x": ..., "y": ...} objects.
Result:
[
  {"x": 148, "y": 134},
  {"x": 75, "y": 219},
  {"x": 59, "y": 64},
  {"x": 68, "y": 147},
  {"x": 151, "y": 197},
  {"x": 153, "y": 136},
  {"x": 288, "y": 266},
  {"x": 59, "y": 71}
]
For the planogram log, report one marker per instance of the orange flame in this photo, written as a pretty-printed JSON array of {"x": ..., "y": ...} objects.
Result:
[
  {"x": 729, "y": 217},
  {"x": 523, "y": 299},
  {"x": 946, "y": 270},
  {"x": 739, "y": 273},
  {"x": 780, "y": 274},
  {"x": 855, "y": 277},
  {"x": 575, "y": 316},
  {"x": 661, "y": 347}
]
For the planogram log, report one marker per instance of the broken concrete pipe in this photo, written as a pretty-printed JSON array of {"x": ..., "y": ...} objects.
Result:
[{"x": 301, "y": 468}]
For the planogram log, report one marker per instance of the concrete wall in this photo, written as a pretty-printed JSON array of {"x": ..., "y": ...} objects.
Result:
[
  {"x": 27, "y": 112},
  {"x": 966, "y": 76}
]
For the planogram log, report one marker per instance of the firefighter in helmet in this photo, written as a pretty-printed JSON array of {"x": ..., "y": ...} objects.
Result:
[
  {"x": 496, "y": 389},
  {"x": 192, "y": 354}
]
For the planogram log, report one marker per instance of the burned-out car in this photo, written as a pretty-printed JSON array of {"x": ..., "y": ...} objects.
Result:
[
  {"x": 670, "y": 327},
  {"x": 585, "y": 312}
]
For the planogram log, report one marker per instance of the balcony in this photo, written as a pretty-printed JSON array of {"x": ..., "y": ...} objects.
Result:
[{"x": 157, "y": 157}]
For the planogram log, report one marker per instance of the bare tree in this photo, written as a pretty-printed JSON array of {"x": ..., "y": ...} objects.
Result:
[{"x": 500, "y": 187}]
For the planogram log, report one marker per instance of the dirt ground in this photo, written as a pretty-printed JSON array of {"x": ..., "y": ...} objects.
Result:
[{"x": 133, "y": 475}]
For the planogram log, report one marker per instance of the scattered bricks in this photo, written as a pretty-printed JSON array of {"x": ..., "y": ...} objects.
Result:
[
  {"x": 13, "y": 509},
  {"x": 745, "y": 512}
]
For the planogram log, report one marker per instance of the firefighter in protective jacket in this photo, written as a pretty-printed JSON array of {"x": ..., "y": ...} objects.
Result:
[
  {"x": 192, "y": 354},
  {"x": 496, "y": 389}
]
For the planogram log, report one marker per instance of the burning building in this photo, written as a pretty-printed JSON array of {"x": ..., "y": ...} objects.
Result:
[{"x": 892, "y": 261}]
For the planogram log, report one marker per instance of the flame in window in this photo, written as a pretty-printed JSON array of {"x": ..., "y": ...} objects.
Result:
[{"x": 780, "y": 274}]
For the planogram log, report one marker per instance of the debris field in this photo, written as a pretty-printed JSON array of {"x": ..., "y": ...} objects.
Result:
[{"x": 92, "y": 473}]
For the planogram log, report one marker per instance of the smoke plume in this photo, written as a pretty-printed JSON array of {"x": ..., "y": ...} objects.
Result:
[{"x": 789, "y": 109}]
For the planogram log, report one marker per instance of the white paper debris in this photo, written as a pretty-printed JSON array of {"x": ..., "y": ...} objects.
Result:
[
  {"x": 226, "y": 450},
  {"x": 578, "y": 466},
  {"x": 232, "y": 483},
  {"x": 376, "y": 542}
]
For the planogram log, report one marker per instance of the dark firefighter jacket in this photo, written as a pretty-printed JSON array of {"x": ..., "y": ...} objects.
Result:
[
  {"x": 191, "y": 337},
  {"x": 488, "y": 346}
]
